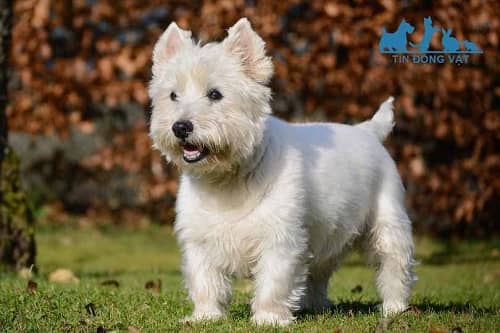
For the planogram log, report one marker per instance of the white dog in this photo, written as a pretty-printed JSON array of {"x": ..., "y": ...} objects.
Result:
[{"x": 265, "y": 199}]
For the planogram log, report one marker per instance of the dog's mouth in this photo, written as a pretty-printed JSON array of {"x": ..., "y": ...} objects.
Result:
[{"x": 193, "y": 153}]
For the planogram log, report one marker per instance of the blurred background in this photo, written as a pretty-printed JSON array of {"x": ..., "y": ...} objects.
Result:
[{"x": 79, "y": 110}]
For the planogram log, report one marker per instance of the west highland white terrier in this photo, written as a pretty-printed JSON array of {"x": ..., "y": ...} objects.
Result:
[{"x": 265, "y": 199}]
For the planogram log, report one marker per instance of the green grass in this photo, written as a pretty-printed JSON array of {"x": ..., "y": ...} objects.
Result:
[{"x": 459, "y": 286}]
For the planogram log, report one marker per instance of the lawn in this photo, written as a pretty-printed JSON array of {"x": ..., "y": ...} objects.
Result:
[{"x": 458, "y": 287}]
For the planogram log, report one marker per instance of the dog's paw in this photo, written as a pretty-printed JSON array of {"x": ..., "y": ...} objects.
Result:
[
  {"x": 317, "y": 306},
  {"x": 393, "y": 308},
  {"x": 202, "y": 316},
  {"x": 271, "y": 318}
]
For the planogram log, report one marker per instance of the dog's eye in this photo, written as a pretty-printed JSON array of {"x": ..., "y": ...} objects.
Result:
[
  {"x": 173, "y": 96},
  {"x": 214, "y": 95}
]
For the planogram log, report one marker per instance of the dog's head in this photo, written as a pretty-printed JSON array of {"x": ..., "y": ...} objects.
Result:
[{"x": 209, "y": 101}]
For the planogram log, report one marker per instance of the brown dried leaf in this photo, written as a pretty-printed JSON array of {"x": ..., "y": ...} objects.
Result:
[
  {"x": 63, "y": 275},
  {"x": 154, "y": 286},
  {"x": 32, "y": 286}
]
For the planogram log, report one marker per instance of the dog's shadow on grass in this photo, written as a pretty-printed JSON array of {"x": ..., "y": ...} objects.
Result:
[
  {"x": 342, "y": 308},
  {"x": 356, "y": 308},
  {"x": 242, "y": 311}
]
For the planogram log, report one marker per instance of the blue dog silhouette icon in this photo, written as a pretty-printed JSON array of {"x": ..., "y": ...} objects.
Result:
[
  {"x": 450, "y": 44},
  {"x": 429, "y": 30},
  {"x": 395, "y": 41}
]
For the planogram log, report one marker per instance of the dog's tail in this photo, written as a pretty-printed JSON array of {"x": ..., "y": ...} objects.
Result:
[{"x": 382, "y": 122}]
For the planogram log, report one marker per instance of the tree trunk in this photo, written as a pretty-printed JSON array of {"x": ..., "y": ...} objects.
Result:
[
  {"x": 17, "y": 243},
  {"x": 5, "y": 25}
]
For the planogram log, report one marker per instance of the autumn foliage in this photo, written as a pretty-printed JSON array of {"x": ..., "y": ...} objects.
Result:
[{"x": 79, "y": 106}]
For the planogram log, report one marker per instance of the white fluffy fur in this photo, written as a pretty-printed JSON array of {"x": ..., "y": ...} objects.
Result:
[{"x": 274, "y": 201}]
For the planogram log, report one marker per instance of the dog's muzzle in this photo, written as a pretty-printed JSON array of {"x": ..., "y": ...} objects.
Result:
[{"x": 191, "y": 153}]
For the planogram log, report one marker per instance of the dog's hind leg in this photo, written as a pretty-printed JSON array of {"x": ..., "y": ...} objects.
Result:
[
  {"x": 316, "y": 296},
  {"x": 392, "y": 244}
]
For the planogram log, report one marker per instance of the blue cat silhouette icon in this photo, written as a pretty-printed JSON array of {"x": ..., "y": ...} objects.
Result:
[{"x": 429, "y": 30}]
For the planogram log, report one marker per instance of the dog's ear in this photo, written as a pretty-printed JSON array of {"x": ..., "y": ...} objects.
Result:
[
  {"x": 243, "y": 42},
  {"x": 171, "y": 41}
]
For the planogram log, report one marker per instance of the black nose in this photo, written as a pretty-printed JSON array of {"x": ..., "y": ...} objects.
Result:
[{"x": 182, "y": 128}]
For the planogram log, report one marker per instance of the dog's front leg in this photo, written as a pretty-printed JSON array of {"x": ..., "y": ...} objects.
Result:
[
  {"x": 279, "y": 284},
  {"x": 208, "y": 285}
]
